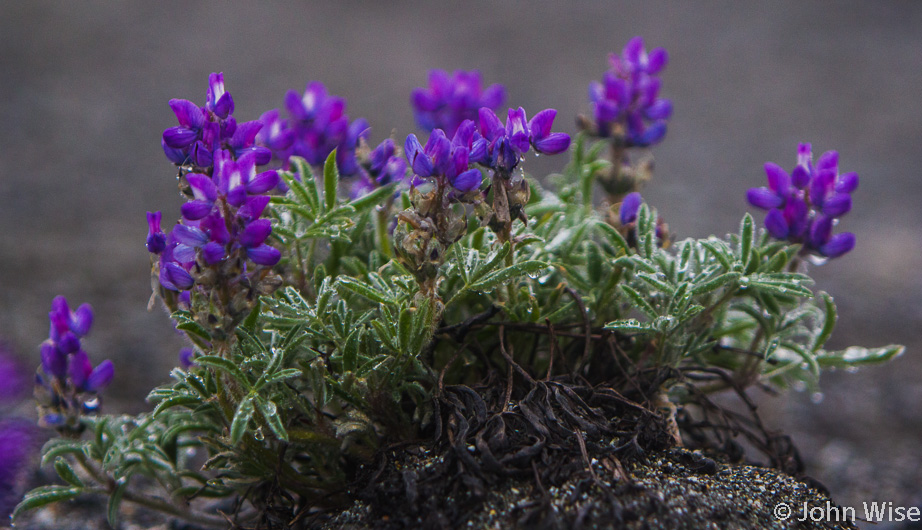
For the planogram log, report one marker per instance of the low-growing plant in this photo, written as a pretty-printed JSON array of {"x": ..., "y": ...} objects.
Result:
[{"x": 341, "y": 300}]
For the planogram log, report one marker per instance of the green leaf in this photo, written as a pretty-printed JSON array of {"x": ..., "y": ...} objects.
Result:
[
  {"x": 656, "y": 283},
  {"x": 405, "y": 330},
  {"x": 45, "y": 495},
  {"x": 330, "y": 181},
  {"x": 57, "y": 447},
  {"x": 504, "y": 275},
  {"x": 373, "y": 198},
  {"x": 858, "y": 356},
  {"x": 270, "y": 412},
  {"x": 223, "y": 364},
  {"x": 769, "y": 285},
  {"x": 194, "y": 328},
  {"x": 179, "y": 400},
  {"x": 594, "y": 263},
  {"x": 351, "y": 350},
  {"x": 62, "y": 467},
  {"x": 307, "y": 193},
  {"x": 385, "y": 334},
  {"x": 115, "y": 501},
  {"x": 639, "y": 302},
  {"x": 777, "y": 262},
  {"x": 281, "y": 375},
  {"x": 241, "y": 419},
  {"x": 747, "y": 233},
  {"x": 829, "y": 323},
  {"x": 630, "y": 325},
  {"x": 250, "y": 321},
  {"x": 714, "y": 284},
  {"x": 719, "y": 253},
  {"x": 614, "y": 237},
  {"x": 362, "y": 289}
]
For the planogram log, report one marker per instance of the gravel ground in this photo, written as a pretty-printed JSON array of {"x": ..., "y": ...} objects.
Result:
[
  {"x": 83, "y": 101},
  {"x": 669, "y": 491}
]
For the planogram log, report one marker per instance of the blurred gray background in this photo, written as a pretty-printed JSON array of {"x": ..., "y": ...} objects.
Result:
[{"x": 83, "y": 102}]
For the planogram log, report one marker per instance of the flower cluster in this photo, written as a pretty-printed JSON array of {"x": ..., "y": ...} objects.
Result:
[
  {"x": 203, "y": 131},
  {"x": 68, "y": 377},
  {"x": 318, "y": 124},
  {"x": 803, "y": 206},
  {"x": 448, "y": 161},
  {"x": 626, "y": 104},
  {"x": 451, "y": 99},
  {"x": 221, "y": 224}
]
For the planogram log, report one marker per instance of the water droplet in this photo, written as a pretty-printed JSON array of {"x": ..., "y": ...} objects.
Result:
[
  {"x": 816, "y": 398},
  {"x": 744, "y": 282},
  {"x": 817, "y": 260},
  {"x": 851, "y": 369},
  {"x": 800, "y": 386}
]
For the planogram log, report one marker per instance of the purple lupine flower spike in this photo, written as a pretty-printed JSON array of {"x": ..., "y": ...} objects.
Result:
[
  {"x": 450, "y": 100},
  {"x": 627, "y": 102},
  {"x": 68, "y": 379},
  {"x": 18, "y": 440},
  {"x": 803, "y": 206}
]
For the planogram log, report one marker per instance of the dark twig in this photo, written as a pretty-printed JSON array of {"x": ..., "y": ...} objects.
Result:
[
  {"x": 587, "y": 325},
  {"x": 509, "y": 359},
  {"x": 459, "y": 330},
  {"x": 554, "y": 347}
]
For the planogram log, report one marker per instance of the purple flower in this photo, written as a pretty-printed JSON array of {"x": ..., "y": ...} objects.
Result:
[
  {"x": 626, "y": 103},
  {"x": 450, "y": 100},
  {"x": 444, "y": 159},
  {"x": 68, "y": 381},
  {"x": 383, "y": 166},
  {"x": 18, "y": 442},
  {"x": 505, "y": 144},
  {"x": 186, "y": 358},
  {"x": 156, "y": 239},
  {"x": 803, "y": 206},
  {"x": 317, "y": 126},
  {"x": 12, "y": 377},
  {"x": 217, "y": 99},
  {"x": 627, "y": 214},
  {"x": 84, "y": 377},
  {"x": 202, "y": 131}
]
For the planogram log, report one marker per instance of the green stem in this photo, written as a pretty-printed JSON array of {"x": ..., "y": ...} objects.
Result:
[{"x": 109, "y": 485}]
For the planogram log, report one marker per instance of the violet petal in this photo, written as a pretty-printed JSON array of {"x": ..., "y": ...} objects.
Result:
[
  {"x": 264, "y": 255},
  {"x": 838, "y": 245}
]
